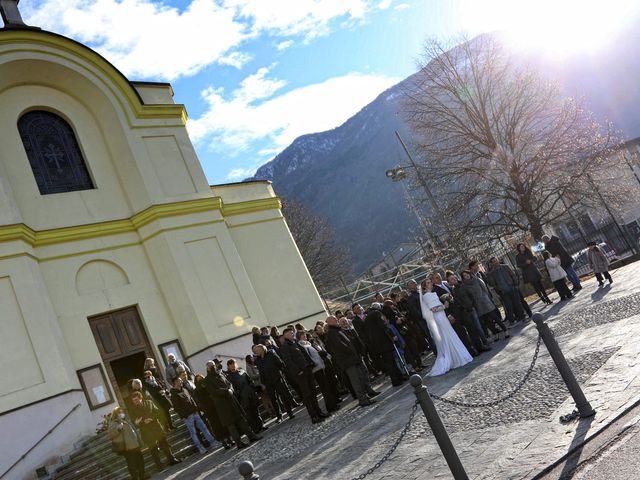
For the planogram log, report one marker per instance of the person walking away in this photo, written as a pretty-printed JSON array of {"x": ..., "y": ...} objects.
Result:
[
  {"x": 556, "y": 249},
  {"x": 558, "y": 275},
  {"x": 300, "y": 367},
  {"x": 530, "y": 273},
  {"x": 599, "y": 263},
  {"x": 186, "y": 407},
  {"x": 146, "y": 416},
  {"x": 245, "y": 394},
  {"x": 125, "y": 442},
  {"x": 229, "y": 410}
]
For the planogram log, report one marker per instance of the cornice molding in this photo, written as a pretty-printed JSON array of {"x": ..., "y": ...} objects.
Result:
[
  {"x": 20, "y": 231},
  {"x": 35, "y": 41}
]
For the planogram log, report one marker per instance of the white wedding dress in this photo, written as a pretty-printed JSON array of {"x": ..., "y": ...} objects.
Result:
[{"x": 451, "y": 351}]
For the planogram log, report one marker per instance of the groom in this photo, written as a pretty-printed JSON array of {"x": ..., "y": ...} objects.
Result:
[
  {"x": 453, "y": 313},
  {"x": 414, "y": 312}
]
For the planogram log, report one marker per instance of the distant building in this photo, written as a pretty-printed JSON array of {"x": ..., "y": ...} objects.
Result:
[{"x": 113, "y": 246}]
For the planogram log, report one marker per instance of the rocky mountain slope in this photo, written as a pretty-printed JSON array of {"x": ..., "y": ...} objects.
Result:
[{"x": 340, "y": 173}]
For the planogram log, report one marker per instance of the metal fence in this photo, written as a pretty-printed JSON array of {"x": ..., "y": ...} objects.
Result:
[{"x": 620, "y": 244}]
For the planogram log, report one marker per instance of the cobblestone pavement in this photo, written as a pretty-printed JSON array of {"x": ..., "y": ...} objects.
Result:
[{"x": 514, "y": 440}]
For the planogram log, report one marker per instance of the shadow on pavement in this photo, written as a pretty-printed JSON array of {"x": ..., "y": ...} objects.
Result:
[
  {"x": 568, "y": 470},
  {"x": 600, "y": 293}
]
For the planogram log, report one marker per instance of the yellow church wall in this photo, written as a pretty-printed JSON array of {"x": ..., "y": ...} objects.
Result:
[
  {"x": 201, "y": 264},
  {"x": 32, "y": 345},
  {"x": 286, "y": 290}
]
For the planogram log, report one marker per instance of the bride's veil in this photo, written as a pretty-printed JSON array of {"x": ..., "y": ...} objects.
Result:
[{"x": 427, "y": 314}]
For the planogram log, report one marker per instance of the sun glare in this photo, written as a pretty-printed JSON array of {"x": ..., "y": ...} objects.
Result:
[{"x": 557, "y": 27}]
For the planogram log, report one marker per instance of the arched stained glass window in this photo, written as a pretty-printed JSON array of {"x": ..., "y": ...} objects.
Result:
[{"x": 54, "y": 153}]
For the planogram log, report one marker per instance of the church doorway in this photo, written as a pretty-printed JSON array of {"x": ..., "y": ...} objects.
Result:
[{"x": 123, "y": 345}]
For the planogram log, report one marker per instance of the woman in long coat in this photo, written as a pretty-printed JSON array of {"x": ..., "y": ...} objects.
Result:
[
  {"x": 526, "y": 261},
  {"x": 599, "y": 263}
]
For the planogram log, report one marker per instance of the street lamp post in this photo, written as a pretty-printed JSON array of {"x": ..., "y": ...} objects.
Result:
[{"x": 397, "y": 174}]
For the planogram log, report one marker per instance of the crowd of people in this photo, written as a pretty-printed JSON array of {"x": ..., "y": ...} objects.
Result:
[{"x": 456, "y": 317}]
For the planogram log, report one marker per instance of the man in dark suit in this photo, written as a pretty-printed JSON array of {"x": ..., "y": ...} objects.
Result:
[
  {"x": 414, "y": 313},
  {"x": 300, "y": 366},
  {"x": 381, "y": 341},
  {"x": 347, "y": 359}
]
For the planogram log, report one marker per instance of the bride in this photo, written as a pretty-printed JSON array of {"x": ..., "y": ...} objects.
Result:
[{"x": 451, "y": 351}]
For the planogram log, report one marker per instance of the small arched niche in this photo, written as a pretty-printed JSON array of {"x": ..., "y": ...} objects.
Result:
[{"x": 99, "y": 275}]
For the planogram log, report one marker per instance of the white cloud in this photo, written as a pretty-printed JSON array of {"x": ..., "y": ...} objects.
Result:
[
  {"x": 402, "y": 6},
  {"x": 240, "y": 173},
  {"x": 253, "y": 116},
  {"x": 236, "y": 59},
  {"x": 384, "y": 4},
  {"x": 149, "y": 39},
  {"x": 144, "y": 38},
  {"x": 284, "y": 45},
  {"x": 308, "y": 18}
]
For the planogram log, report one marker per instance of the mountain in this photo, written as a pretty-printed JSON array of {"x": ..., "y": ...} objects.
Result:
[{"x": 340, "y": 173}]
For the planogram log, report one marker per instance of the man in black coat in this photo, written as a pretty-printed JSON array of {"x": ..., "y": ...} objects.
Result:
[
  {"x": 271, "y": 369},
  {"x": 462, "y": 311},
  {"x": 300, "y": 367},
  {"x": 381, "y": 341},
  {"x": 414, "y": 313},
  {"x": 227, "y": 406},
  {"x": 357, "y": 321},
  {"x": 554, "y": 247},
  {"x": 347, "y": 359},
  {"x": 246, "y": 395}
]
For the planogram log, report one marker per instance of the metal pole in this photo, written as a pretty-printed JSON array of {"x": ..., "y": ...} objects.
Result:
[
  {"x": 606, "y": 206},
  {"x": 442, "y": 437},
  {"x": 584, "y": 239},
  {"x": 583, "y": 405},
  {"x": 246, "y": 470}
]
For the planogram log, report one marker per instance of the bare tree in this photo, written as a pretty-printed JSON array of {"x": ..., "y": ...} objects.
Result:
[
  {"x": 315, "y": 238},
  {"x": 502, "y": 148}
]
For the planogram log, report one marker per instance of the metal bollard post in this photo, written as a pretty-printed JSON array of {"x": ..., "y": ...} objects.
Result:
[
  {"x": 246, "y": 470},
  {"x": 442, "y": 437},
  {"x": 583, "y": 405}
]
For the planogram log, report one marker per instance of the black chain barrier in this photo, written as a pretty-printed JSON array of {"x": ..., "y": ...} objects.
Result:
[
  {"x": 414, "y": 409},
  {"x": 393, "y": 448},
  {"x": 499, "y": 400}
]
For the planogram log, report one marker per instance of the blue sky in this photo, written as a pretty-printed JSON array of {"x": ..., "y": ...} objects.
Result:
[{"x": 255, "y": 74}]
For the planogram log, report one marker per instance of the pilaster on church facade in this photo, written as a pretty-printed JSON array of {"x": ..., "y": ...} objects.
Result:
[{"x": 113, "y": 246}]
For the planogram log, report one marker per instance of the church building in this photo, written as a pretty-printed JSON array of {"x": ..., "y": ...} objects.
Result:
[{"x": 113, "y": 246}]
